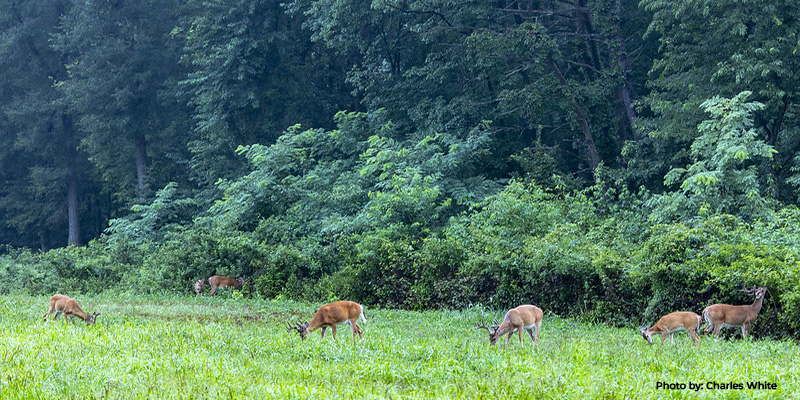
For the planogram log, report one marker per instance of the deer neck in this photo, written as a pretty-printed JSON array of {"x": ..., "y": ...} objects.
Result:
[
  {"x": 504, "y": 328},
  {"x": 313, "y": 325},
  {"x": 757, "y": 304},
  {"x": 80, "y": 314}
]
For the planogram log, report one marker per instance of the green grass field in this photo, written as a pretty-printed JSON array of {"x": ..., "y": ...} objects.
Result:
[{"x": 217, "y": 348}]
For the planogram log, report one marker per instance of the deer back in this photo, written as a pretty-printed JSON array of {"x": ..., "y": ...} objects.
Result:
[
  {"x": 224, "y": 281},
  {"x": 335, "y": 313},
  {"x": 737, "y": 315},
  {"x": 676, "y": 320},
  {"x": 524, "y": 315},
  {"x": 517, "y": 318},
  {"x": 57, "y": 301}
]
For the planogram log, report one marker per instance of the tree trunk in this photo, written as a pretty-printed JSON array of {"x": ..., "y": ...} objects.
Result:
[
  {"x": 73, "y": 217},
  {"x": 625, "y": 90},
  {"x": 140, "y": 157},
  {"x": 74, "y": 237},
  {"x": 592, "y": 155},
  {"x": 44, "y": 240},
  {"x": 585, "y": 28}
]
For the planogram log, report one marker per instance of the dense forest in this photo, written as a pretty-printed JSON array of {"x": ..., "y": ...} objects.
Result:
[{"x": 610, "y": 159}]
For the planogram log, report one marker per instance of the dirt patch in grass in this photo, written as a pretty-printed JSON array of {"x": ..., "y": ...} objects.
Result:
[{"x": 216, "y": 316}]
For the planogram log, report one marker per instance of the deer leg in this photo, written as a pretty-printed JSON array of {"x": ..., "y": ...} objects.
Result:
[
  {"x": 663, "y": 338},
  {"x": 530, "y": 333},
  {"x": 672, "y": 338},
  {"x": 213, "y": 290},
  {"x": 322, "y": 333},
  {"x": 695, "y": 337},
  {"x": 333, "y": 329},
  {"x": 356, "y": 329},
  {"x": 710, "y": 325},
  {"x": 49, "y": 311},
  {"x": 520, "y": 334},
  {"x": 716, "y": 331},
  {"x": 744, "y": 331}
]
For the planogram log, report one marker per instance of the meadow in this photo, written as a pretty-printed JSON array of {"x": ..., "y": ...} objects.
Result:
[{"x": 181, "y": 347}]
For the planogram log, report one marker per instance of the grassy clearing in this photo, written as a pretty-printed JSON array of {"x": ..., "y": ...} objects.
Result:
[{"x": 204, "y": 348}]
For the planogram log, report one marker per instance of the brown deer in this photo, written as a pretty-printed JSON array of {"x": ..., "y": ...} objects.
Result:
[
  {"x": 674, "y": 322},
  {"x": 69, "y": 307},
  {"x": 330, "y": 315},
  {"x": 722, "y": 315},
  {"x": 525, "y": 317},
  {"x": 217, "y": 281},
  {"x": 199, "y": 286}
]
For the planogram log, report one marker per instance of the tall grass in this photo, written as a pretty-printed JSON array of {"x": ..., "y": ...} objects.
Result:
[{"x": 217, "y": 348}]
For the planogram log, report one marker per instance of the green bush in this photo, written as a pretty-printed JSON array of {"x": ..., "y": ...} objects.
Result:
[{"x": 567, "y": 253}]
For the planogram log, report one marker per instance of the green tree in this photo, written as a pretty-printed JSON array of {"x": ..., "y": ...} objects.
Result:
[
  {"x": 121, "y": 65},
  {"x": 43, "y": 188},
  {"x": 722, "y": 48},
  {"x": 254, "y": 73},
  {"x": 450, "y": 65},
  {"x": 725, "y": 155}
]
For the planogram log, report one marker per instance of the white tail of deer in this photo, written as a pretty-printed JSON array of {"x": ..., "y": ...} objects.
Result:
[
  {"x": 199, "y": 286},
  {"x": 330, "y": 315},
  {"x": 218, "y": 281},
  {"x": 674, "y": 322},
  {"x": 69, "y": 307},
  {"x": 722, "y": 315},
  {"x": 525, "y": 317}
]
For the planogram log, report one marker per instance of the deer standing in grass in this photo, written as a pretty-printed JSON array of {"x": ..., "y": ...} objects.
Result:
[
  {"x": 525, "y": 317},
  {"x": 722, "y": 315},
  {"x": 330, "y": 315},
  {"x": 199, "y": 286},
  {"x": 674, "y": 322},
  {"x": 218, "y": 281},
  {"x": 69, "y": 307}
]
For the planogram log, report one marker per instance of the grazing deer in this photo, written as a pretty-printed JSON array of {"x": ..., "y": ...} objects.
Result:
[
  {"x": 525, "y": 317},
  {"x": 673, "y": 322},
  {"x": 199, "y": 286},
  {"x": 69, "y": 307},
  {"x": 330, "y": 315},
  {"x": 721, "y": 315},
  {"x": 218, "y": 281}
]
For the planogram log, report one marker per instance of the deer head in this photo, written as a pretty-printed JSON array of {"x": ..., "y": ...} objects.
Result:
[
  {"x": 758, "y": 292},
  {"x": 492, "y": 329},
  {"x": 301, "y": 328},
  {"x": 90, "y": 317}
]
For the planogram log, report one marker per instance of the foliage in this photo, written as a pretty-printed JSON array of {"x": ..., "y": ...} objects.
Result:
[
  {"x": 723, "y": 48},
  {"x": 152, "y": 222},
  {"x": 723, "y": 173}
]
